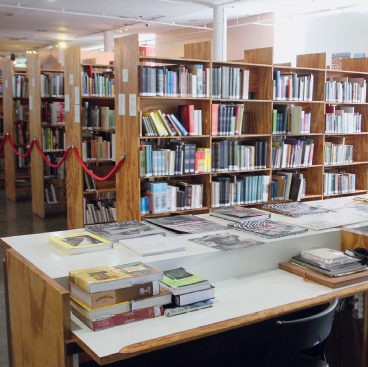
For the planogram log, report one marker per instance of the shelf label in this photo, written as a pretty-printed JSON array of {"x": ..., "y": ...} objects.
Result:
[
  {"x": 122, "y": 104},
  {"x": 77, "y": 113},
  {"x": 76, "y": 96},
  {"x": 6, "y": 83},
  {"x": 33, "y": 82},
  {"x": 132, "y": 105},
  {"x": 30, "y": 102},
  {"x": 71, "y": 79},
  {"x": 67, "y": 107},
  {"x": 125, "y": 75}
]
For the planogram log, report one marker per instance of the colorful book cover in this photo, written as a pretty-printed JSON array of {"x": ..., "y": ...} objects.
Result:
[
  {"x": 239, "y": 212},
  {"x": 336, "y": 62},
  {"x": 180, "y": 277},
  {"x": 295, "y": 209}
]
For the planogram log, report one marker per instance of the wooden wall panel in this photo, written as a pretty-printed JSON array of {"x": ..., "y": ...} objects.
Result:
[
  {"x": 198, "y": 50},
  {"x": 259, "y": 56},
  {"x": 317, "y": 61}
]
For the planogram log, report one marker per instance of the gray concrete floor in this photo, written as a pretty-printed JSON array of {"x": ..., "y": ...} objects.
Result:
[{"x": 16, "y": 219}]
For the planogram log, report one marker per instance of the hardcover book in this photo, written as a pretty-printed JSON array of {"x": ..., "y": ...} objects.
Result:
[
  {"x": 268, "y": 228},
  {"x": 123, "y": 230},
  {"x": 239, "y": 214},
  {"x": 225, "y": 241},
  {"x": 186, "y": 224},
  {"x": 174, "y": 310},
  {"x": 295, "y": 209}
]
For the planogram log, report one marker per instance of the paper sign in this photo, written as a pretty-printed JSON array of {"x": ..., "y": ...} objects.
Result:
[
  {"x": 122, "y": 104},
  {"x": 77, "y": 113},
  {"x": 30, "y": 102},
  {"x": 33, "y": 82},
  {"x": 132, "y": 105},
  {"x": 71, "y": 79},
  {"x": 125, "y": 75},
  {"x": 67, "y": 107},
  {"x": 76, "y": 96},
  {"x": 6, "y": 83}
]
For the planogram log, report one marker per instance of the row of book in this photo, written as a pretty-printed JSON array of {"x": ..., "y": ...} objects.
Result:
[
  {"x": 175, "y": 81},
  {"x": 338, "y": 183},
  {"x": 53, "y": 113},
  {"x": 49, "y": 172},
  {"x": 161, "y": 197},
  {"x": 288, "y": 186},
  {"x": 343, "y": 120},
  {"x": 233, "y": 155},
  {"x": 53, "y": 139},
  {"x": 101, "y": 211},
  {"x": 52, "y": 85},
  {"x": 289, "y": 153},
  {"x": 290, "y": 120},
  {"x": 227, "y": 119},
  {"x": 20, "y": 86},
  {"x": 21, "y": 133},
  {"x": 97, "y": 85},
  {"x": 97, "y": 118},
  {"x": 21, "y": 112},
  {"x": 22, "y": 162},
  {"x": 338, "y": 153},
  {"x": 230, "y": 83},
  {"x": 174, "y": 159},
  {"x": 50, "y": 193},
  {"x": 98, "y": 147},
  {"x": 346, "y": 90},
  {"x": 238, "y": 190},
  {"x": 291, "y": 87}
]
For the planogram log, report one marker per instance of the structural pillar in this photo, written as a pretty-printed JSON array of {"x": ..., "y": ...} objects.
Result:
[
  {"x": 219, "y": 33},
  {"x": 109, "y": 41}
]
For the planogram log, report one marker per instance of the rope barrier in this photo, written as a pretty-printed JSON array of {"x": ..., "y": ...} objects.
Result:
[{"x": 34, "y": 142}]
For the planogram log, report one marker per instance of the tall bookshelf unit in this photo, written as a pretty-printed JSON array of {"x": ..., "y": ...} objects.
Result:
[{"x": 16, "y": 179}]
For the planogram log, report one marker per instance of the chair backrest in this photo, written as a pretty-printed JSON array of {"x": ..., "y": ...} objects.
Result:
[{"x": 304, "y": 333}]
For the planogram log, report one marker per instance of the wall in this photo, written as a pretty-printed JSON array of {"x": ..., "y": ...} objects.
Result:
[
  {"x": 103, "y": 58},
  {"x": 239, "y": 38}
]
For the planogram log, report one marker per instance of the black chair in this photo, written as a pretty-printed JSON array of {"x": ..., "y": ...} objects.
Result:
[{"x": 301, "y": 341}]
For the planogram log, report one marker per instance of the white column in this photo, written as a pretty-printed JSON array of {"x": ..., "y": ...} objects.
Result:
[
  {"x": 219, "y": 33},
  {"x": 109, "y": 41}
]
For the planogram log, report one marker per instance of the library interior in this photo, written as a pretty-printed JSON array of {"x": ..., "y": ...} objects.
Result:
[{"x": 184, "y": 182}]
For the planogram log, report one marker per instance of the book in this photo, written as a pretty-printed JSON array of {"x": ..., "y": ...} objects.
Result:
[
  {"x": 239, "y": 214},
  {"x": 268, "y": 228},
  {"x": 193, "y": 297},
  {"x": 362, "y": 198},
  {"x": 152, "y": 245},
  {"x": 104, "y": 278},
  {"x": 80, "y": 243},
  {"x": 186, "y": 224},
  {"x": 174, "y": 310},
  {"x": 108, "y": 298},
  {"x": 119, "y": 319},
  {"x": 295, "y": 209},
  {"x": 225, "y": 241},
  {"x": 123, "y": 230},
  {"x": 163, "y": 298},
  {"x": 179, "y": 281}
]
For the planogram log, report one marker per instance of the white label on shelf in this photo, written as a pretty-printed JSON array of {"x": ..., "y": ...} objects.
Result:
[
  {"x": 77, "y": 113},
  {"x": 76, "y": 96},
  {"x": 67, "y": 107},
  {"x": 71, "y": 79},
  {"x": 33, "y": 82},
  {"x": 30, "y": 102},
  {"x": 6, "y": 83},
  {"x": 125, "y": 75},
  {"x": 122, "y": 104},
  {"x": 132, "y": 105}
]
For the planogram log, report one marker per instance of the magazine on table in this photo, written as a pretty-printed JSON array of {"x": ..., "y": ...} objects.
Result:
[{"x": 295, "y": 209}]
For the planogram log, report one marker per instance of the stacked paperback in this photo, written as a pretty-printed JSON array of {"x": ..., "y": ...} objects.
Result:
[{"x": 295, "y": 209}]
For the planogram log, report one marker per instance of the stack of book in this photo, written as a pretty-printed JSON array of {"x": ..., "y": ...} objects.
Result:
[
  {"x": 97, "y": 118},
  {"x": 295, "y": 209},
  {"x": 343, "y": 120},
  {"x": 98, "y": 147},
  {"x": 227, "y": 119},
  {"x": 328, "y": 262},
  {"x": 288, "y": 186},
  {"x": 338, "y": 182},
  {"x": 290, "y": 120},
  {"x": 20, "y": 86},
  {"x": 98, "y": 84},
  {"x": 53, "y": 113},
  {"x": 233, "y": 155},
  {"x": 337, "y": 152},
  {"x": 346, "y": 90},
  {"x": 109, "y": 296},
  {"x": 52, "y": 85},
  {"x": 291, "y": 87},
  {"x": 186, "y": 287},
  {"x": 175, "y": 81},
  {"x": 230, "y": 83},
  {"x": 289, "y": 153},
  {"x": 100, "y": 211},
  {"x": 240, "y": 214},
  {"x": 53, "y": 139}
]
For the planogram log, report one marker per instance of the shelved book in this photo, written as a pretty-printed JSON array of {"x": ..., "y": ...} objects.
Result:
[
  {"x": 292, "y": 87},
  {"x": 20, "y": 86},
  {"x": 97, "y": 84},
  {"x": 230, "y": 83},
  {"x": 53, "y": 139},
  {"x": 97, "y": 117},
  {"x": 239, "y": 189},
  {"x": 290, "y": 119},
  {"x": 53, "y": 113},
  {"x": 338, "y": 182},
  {"x": 233, "y": 155},
  {"x": 337, "y": 152},
  {"x": 52, "y": 85},
  {"x": 343, "y": 120},
  {"x": 295, "y": 209},
  {"x": 100, "y": 210},
  {"x": 21, "y": 133},
  {"x": 288, "y": 185},
  {"x": 98, "y": 147},
  {"x": 188, "y": 224},
  {"x": 346, "y": 90},
  {"x": 50, "y": 193},
  {"x": 124, "y": 230},
  {"x": 105, "y": 278},
  {"x": 21, "y": 111},
  {"x": 239, "y": 214},
  {"x": 175, "y": 81},
  {"x": 80, "y": 243},
  {"x": 228, "y": 119},
  {"x": 268, "y": 228}
]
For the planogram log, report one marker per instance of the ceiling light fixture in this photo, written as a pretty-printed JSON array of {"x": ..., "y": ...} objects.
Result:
[{"x": 62, "y": 44}]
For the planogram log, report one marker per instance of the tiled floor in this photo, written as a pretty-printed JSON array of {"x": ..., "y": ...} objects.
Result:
[{"x": 16, "y": 219}]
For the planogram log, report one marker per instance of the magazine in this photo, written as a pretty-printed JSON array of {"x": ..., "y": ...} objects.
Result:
[
  {"x": 346, "y": 206},
  {"x": 239, "y": 214},
  {"x": 189, "y": 224},
  {"x": 225, "y": 241},
  {"x": 295, "y": 209},
  {"x": 123, "y": 230},
  {"x": 268, "y": 228}
]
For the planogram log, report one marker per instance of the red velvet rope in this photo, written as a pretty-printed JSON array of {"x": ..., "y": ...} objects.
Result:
[
  {"x": 15, "y": 149},
  {"x": 3, "y": 141},
  {"x": 47, "y": 161}
]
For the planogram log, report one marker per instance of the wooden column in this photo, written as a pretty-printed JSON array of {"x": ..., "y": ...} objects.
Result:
[{"x": 74, "y": 177}]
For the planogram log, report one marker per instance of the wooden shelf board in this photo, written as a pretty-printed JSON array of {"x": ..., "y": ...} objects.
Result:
[
  {"x": 240, "y": 171},
  {"x": 176, "y": 98},
  {"x": 343, "y": 164},
  {"x": 241, "y": 100},
  {"x": 343, "y": 134},
  {"x": 296, "y": 68},
  {"x": 175, "y": 176},
  {"x": 53, "y": 97},
  {"x": 296, "y": 102},
  {"x": 239, "y": 64},
  {"x": 52, "y": 71},
  {"x": 239, "y": 136},
  {"x": 356, "y": 192},
  {"x": 99, "y": 191},
  {"x": 312, "y": 166},
  {"x": 334, "y": 71},
  {"x": 175, "y": 212},
  {"x": 97, "y": 130},
  {"x": 174, "y": 137},
  {"x": 347, "y": 103},
  {"x": 95, "y": 97},
  {"x": 309, "y": 134}
]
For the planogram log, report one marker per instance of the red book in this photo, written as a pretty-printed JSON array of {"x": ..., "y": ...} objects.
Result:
[
  {"x": 330, "y": 109},
  {"x": 215, "y": 109},
  {"x": 197, "y": 158},
  {"x": 186, "y": 114},
  {"x": 61, "y": 113}
]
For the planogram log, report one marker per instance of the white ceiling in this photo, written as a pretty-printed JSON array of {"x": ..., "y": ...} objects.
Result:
[{"x": 32, "y": 24}]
